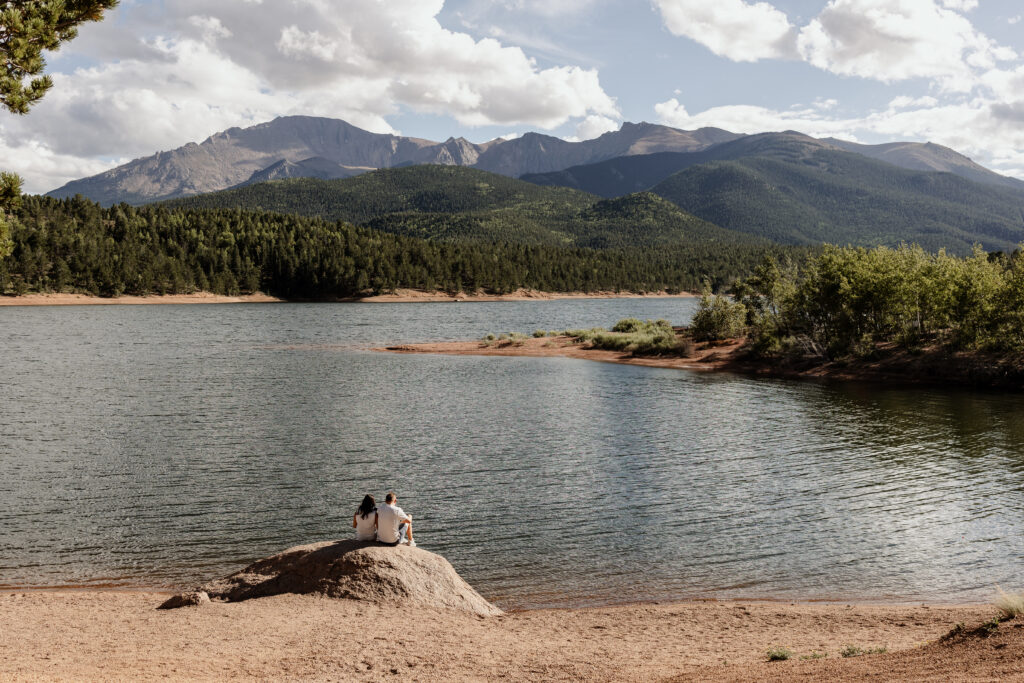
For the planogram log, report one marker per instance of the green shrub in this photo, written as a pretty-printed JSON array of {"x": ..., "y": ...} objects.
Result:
[
  {"x": 853, "y": 651},
  {"x": 628, "y": 325},
  {"x": 778, "y": 654},
  {"x": 718, "y": 318},
  {"x": 537, "y": 334}
]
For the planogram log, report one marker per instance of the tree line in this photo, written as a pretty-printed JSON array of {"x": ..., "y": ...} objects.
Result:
[
  {"x": 855, "y": 302},
  {"x": 75, "y": 245}
]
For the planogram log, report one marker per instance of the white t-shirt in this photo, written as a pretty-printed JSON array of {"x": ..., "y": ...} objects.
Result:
[
  {"x": 364, "y": 527},
  {"x": 388, "y": 518}
]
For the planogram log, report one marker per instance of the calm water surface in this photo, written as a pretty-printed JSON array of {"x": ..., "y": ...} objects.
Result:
[{"x": 165, "y": 445}]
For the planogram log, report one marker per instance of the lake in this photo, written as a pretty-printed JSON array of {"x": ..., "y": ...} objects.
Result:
[{"x": 161, "y": 446}]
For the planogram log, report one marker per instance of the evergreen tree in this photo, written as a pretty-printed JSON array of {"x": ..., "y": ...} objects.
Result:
[{"x": 27, "y": 28}]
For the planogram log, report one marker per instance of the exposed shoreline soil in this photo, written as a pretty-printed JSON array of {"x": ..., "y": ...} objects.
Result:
[
  {"x": 398, "y": 296},
  {"x": 108, "y": 635},
  {"x": 935, "y": 368}
]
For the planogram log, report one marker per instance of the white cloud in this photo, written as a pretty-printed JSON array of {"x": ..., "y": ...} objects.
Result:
[
  {"x": 210, "y": 27},
  {"x": 594, "y": 126},
  {"x": 883, "y": 40},
  {"x": 40, "y": 166},
  {"x": 165, "y": 74},
  {"x": 905, "y": 102},
  {"x": 962, "y": 5},
  {"x": 737, "y": 30},
  {"x": 550, "y": 8},
  {"x": 895, "y": 40}
]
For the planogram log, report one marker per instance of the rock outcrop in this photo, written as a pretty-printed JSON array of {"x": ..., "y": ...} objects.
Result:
[
  {"x": 186, "y": 599},
  {"x": 354, "y": 570}
]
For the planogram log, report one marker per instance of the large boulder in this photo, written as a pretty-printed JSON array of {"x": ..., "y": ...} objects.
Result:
[{"x": 356, "y": 570}]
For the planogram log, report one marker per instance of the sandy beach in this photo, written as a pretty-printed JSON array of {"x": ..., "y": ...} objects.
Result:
[
  {"x": 86, "y": 300},
  {"x": 903, "y": 368},
  {"x": 398, "y": 296},
  {"x": 710, "y": 358},
  {"x": 118, "y": 635}
]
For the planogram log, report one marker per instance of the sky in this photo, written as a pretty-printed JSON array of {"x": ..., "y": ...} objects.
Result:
[{"x": 156, "y": 74}]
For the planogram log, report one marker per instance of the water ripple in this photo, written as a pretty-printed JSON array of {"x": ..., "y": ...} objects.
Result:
[{"x": 163, "y": 445}]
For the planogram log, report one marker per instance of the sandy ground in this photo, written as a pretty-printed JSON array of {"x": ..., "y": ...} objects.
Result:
[
  {"x": 85, "y": 300},
  {"x": 415, "y": 296},
  {"x": 120, "y": 636},
  {"x": 399, "y": 296},
  {"x": 711, "y": 358}
]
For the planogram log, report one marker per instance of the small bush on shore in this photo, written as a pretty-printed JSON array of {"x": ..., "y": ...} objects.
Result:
[
  {"x": 649, "y": 337},
  {"x": 778, "y": 654},
  {"x": 718, "y": 318},
  {"x": 854, "y": 651},
  {"x": 628, "y": 325},
  {"x": 1010, "y": 605},
  {"x": 537, "y": 334}
]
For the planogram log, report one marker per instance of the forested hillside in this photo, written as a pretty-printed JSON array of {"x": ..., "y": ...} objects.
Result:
[
  {"x": 74, "y": 245},
  {"x": 426, "y": 189},
  {"x": 843, "y": 198},
  {"x": 794, "y": 189},
  {"x": 456, "y": 204}
]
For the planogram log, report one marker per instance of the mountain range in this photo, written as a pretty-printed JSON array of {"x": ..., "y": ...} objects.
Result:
[
  {"x": 304, "y": 146},
  {"x": 285, "y": 146}
]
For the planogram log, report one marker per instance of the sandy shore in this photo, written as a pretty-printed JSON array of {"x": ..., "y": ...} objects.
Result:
[
  {"x": 398, "y": 296},
  {"x": 416, "y": 296},
  {"x": 120, "y": 636},
  {"x": 85, "y": 300},
  {"x": 902, "y": 368},
  {"x": 710, "y": 358}
]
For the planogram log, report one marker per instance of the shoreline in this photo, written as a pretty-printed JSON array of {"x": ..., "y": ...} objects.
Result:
[
  {"x": 963, "y": 371},
  {"x": 889, "y": 601},
  {"x": 118, "y": 634},
  {"x": 398, "y": 296}
]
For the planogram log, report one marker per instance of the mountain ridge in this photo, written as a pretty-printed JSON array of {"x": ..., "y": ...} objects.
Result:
[{"x": 231, "y": 157}]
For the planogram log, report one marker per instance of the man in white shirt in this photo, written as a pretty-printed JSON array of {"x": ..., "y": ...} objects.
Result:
[{"x": 392, "y": 522}]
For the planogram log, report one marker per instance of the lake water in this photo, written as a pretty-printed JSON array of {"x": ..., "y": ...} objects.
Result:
[{"x": 166, "y": 445}]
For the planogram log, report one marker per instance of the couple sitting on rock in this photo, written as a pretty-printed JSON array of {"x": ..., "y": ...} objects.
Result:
[{"x": 385, "y": 523}]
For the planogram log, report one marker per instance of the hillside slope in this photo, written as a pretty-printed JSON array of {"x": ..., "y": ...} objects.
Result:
[
  {"x": 454, "y": 204},
  {"x": 828, "y": 195},
  {"x": 618, "y": 176}
]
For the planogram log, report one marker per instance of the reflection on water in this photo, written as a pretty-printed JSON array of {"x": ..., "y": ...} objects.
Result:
[{"x": 164, "y": 445}]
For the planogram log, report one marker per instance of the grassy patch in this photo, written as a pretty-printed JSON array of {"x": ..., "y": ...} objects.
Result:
[
  {"x": 639, "y": 337},
  {"x": 854, "y": 651},
  {"x": 1010, "y": 605},
  {"x": 814, "y": 655},
  {"x": 778, "y": 654}
]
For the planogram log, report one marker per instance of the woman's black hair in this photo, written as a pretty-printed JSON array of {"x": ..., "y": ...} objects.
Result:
[{"x": 367, "y": 506}]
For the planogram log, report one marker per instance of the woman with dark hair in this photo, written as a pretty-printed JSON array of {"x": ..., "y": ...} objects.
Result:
[{"x": 365, "y": 520}]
